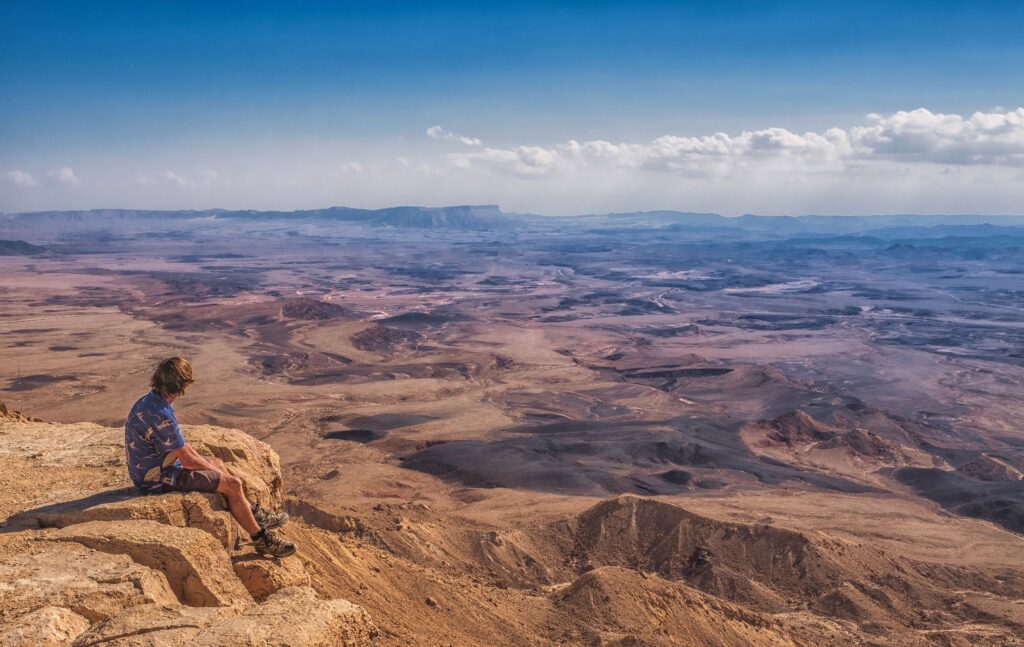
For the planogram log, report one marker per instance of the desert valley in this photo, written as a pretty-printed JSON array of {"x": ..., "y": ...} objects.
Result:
[{"x": 653, "y": 428}]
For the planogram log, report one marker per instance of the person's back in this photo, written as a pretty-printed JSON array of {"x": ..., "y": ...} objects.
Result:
[{"x": 151, "y": 435}]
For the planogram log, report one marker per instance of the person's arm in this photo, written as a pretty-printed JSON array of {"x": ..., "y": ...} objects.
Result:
[{"x": 191, "y": 460}]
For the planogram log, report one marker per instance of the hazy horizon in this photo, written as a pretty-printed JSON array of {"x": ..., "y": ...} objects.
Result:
[{"x": 680, "y": 211}]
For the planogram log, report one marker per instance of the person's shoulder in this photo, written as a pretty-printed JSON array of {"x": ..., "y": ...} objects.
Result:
[{"x": 149, "y": 403}]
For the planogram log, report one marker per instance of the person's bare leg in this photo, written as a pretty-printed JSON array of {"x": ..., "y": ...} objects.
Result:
[{"x": 231, "y": 487}]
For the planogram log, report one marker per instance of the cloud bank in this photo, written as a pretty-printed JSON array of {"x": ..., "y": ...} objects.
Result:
[
  {"x": 917, "y": 137},
  {"x": 915, "y": 161}
]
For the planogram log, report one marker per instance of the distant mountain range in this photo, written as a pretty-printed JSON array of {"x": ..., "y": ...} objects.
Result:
[
  {"x": 903, "y": 224},
  {"x": 455, "y": 217},
  {"x": 490, "y": 217}
]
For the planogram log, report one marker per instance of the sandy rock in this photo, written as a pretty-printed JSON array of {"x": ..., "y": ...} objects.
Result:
[
  {"x": 92, "y": 584},
  {"x": 45, "y": 627},
  {"x": 255, "y": 462},
  {"x": 313, "y": 514},
  {"x": 263, "y": 577},
  {"x": 191, "y": 510},
  {"x": 82, "y": 444},
  {"x": 152, "y": 625},
  {"x": 15, "y": 416},
  {"x": 293, "y": 617},
  {"x": 195, "y": 564}
]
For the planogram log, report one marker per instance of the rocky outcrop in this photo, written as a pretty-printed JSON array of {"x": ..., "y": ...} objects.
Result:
[
  {"x": 92, "y": 584},
  {"x": 192, "y": 510},
  {"x": 45, "y": 627},
  {"x": 264, "y": 577},
  {"x": 7, "y": 414},
  {"x": 197, "y": 567},
  {"x": 247, "y": 458},
  {"x": 85, "y": 560}
]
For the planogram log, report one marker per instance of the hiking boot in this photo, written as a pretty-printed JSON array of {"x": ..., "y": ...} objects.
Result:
[
  {"x": 268, "y": 519},
  {"x": 271, "y": 545}
]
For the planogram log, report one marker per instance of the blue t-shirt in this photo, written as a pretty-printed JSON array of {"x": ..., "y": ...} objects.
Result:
[{"x": 151, "y": 433}]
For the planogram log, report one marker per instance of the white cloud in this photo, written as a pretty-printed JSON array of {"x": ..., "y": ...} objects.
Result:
[
  {"x": 20, "y": 178},
  {"x": 995, "y": 138},
  {"x": 919, "y": 136},
  {"x": 352, "y": 167},
  {"x": 203, "y": 178},
  {"x": 170, "y": 177},
  {"x": 525, "y": 161},
  {"x": 439, "y": 133},
  {"x": 64, "y": 175}
]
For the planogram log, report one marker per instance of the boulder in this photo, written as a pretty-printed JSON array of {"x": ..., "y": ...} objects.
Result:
[
  {"x": 190, "y": 510},
  {"x": 195, "y": 564},
  {"x": 44, "y": 627},
  {"x": 293, "y": 617},
  {"x": 251, "y": 460},
  {"x": 92, "y": 584},
  {"x": 263, "y": 577}
]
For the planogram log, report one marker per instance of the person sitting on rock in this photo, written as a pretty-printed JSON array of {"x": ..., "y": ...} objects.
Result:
[{"x": 159, "y": 459}]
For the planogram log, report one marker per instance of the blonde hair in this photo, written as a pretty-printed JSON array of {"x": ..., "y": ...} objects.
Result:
[{"x": 172, "y": 376}]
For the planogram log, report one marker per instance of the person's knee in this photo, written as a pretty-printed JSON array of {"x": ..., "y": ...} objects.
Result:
[{"x": 231, "y": 485}]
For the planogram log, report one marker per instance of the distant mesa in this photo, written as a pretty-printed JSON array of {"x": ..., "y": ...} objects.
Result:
[
  {"x": 19, "y": 248},
  {"x": 467, "y": 217},
  {"x": 456, "y": 217}
]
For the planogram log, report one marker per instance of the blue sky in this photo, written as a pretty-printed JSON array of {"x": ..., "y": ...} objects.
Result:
[{"x": 289, "y": 105}]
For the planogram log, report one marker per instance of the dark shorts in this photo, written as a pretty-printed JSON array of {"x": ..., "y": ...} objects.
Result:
[{"x": 195, "y": 481}]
